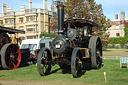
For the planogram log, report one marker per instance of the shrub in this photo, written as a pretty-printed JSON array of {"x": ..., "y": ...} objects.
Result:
[{"x": 51, "y": 35}]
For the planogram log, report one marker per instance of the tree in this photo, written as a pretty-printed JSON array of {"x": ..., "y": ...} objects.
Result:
[
  {"x": 87, "y": 9},
  {"x": 84, "y": 9}
]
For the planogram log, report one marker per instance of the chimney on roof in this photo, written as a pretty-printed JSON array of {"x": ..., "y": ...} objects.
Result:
[
  {"x": 122, "y": 15},
  {"x": 45, "y": 4},
  {"x": 3, "y": 8},
  {"x": 50, "y": 8},
  {"x": 30, "y": 4},
  {"x": 9, "y": 9},
  {"x": 116, "y": 16},
  {"x": 22, "y": 8}
]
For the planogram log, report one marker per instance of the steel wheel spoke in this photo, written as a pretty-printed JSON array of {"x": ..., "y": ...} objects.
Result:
[
  {"x": 42, "y": 65},
  {"x": 76, "y": 59}
]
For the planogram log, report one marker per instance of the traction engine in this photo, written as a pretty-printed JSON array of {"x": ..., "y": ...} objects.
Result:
[
  {"x": 73, "y": 46},
  {"x": 10, "y": 55}
]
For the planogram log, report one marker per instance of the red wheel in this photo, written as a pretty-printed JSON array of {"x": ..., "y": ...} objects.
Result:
[{"x": 10, "y": 56}]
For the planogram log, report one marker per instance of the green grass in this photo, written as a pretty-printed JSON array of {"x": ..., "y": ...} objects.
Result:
[{"x": 115, "y": 75}]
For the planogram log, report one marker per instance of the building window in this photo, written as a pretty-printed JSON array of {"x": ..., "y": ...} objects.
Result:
[
  {"x": 30, "y": 28},
  {"x": 21, "y": 20},
  {"x": 12, "y": 20},
  {"x": 27, "y": 19},
  {"x": 1, "y": 21},
  {"x": 9, "y": 21},
  {"x": 118, "y": 34},
  {"x": 30, "y": 18},
  {"x": 117, "y": 27},
  {"x": 29, "y": 37},
  {"x": 21, "y": 28},
  {"x": 6, "y": 21}
]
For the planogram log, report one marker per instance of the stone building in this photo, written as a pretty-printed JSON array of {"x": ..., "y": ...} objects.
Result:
[
  {"x": 33, "y": 21},
  {"x": 117, "y": 26}
]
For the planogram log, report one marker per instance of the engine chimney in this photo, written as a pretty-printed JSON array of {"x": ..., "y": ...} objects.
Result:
[
  {"x": 30, "y": 4},
  {"x": 122, "y": 15},
  {"x": 45, "y": 5},
  {"x": 60, "y": 8},
  {"x": 116, "y": 16},
  {"x": 50, "y": 8},
  {"x": 3, "y": 8},
  {"x": 9, "y": 9},
  {"x": 22, "y": 8}
]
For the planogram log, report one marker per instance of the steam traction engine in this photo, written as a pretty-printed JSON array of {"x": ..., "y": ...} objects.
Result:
[
  {"x": 10, "y": 55},
  {"x": 73, "y": 46}
]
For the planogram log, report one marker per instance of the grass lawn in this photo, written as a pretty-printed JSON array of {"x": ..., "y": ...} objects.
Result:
[{"x": 115, "y": 75}]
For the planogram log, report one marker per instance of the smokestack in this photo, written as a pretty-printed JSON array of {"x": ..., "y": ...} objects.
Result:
[
  {"x": 3, "y": 8},
  {"x": 60, "y": 8},
  {"x": 30, "y": 4},
  {"x": 22, "y": 8},
  {"x": 45, "y": 4},
  {"x": 122, "y": 15},
  {"x": 116, "y": 16},
  {"x": 9, "y": 9}
]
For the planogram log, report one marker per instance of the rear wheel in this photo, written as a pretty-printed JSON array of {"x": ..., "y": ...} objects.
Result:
[
  {"x": 43, "y": 61},
  {"x": 95, "y": 47},
  {"x": 76, "y": 63},
  {"x": 10, "y": 56}
]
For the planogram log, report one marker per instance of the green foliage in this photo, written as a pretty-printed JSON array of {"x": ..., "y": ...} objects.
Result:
[
  {"x": 126, "y": 31},
  {"x": 87, "y": 9},
  {"x": 47, "y": 35},
  {"x": 120, "y": 40}
]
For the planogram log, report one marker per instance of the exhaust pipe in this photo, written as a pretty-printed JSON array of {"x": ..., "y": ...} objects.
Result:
[{"x": 60, "y": 8}]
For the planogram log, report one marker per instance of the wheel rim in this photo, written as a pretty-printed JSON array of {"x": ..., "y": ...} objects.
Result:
[
  {"x": 76, "y": 63},
  {"x": 95, "y": 46},
  {"x": 98, "y": 53},
  {"x": 11, "y": 56},
  {"x": 43, "y": 62}
]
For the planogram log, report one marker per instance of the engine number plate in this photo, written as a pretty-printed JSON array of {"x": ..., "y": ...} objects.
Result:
[{"x": 57, "y": 46}]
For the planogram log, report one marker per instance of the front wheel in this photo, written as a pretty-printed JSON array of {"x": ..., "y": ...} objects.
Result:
[
  {"x": 76, "y": 63},
  {"x": 43, "y": 61}
]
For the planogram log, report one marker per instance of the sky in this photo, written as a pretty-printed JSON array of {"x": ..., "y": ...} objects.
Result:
[{"x": 110, "y": 7}]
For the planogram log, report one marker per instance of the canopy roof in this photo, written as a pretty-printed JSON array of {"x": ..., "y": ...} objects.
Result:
[
  {"x": 10, "y": 30},
  {"x": 80, "y": 23}
]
